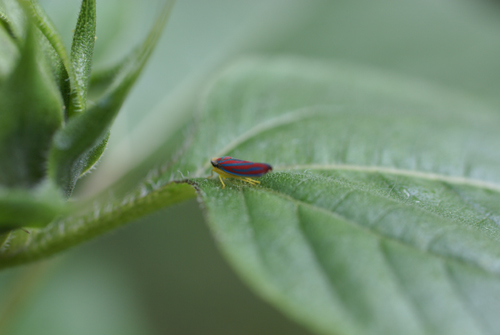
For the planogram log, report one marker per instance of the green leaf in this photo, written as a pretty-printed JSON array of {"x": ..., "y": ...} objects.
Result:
[
  {"x": 69, "y": 155},
  {"x": 381, "y": 215},
  {"x": 16, "y": 28},
  {"x": 82, "y": 48},
  {"x": 102, "y": 79},
  {"x": 67, "y": 79},
  {"x": 83, "y": 225},
  {"x": 30, "y": 113},
  {"x": 4, "y": 238},
  {"x": 57, "y": 68},
  {"x": 33, "y": 208},
  {"x": 13, "y": 18},
  {"x": 9, "y": 53},
  {"x": 10, "y": 33},
  {"x": 95, "y": 154},
  {"x": 7, "y": 25}
]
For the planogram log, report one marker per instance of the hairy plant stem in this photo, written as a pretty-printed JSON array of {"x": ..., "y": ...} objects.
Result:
[{"x": 70, "y": 231}]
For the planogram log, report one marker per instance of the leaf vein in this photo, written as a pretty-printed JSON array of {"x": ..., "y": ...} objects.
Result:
[
  {"x": 395, "y": 171},
  {"x": 477, "y": 207},
  {"x": 446, "y": 258},
  {"x": 417, "y": 310},
  {"x": 460, "y": 297},
  {"x": 319, "y": 264}
]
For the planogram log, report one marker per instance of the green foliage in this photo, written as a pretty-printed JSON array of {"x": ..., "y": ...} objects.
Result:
[
  {"x": 82, "y": 48},
  {"x": 7, "y": 25},
  {"x": 381, "y": 215},
  {"x": 74, "y": 147},
  {"x": 61, "y": 64},
  {"x": 48, "y": 134},
  {"x": 380, "y": 210},
  {"x": 27, "y": 124},
  {"x": 23, "y": 208},
  {"x": 76, "y": 227}
]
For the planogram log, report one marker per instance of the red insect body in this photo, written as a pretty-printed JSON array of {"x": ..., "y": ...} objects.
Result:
[
  {"x": 242, "y": 168},
  {"x": 229, "y": 167}
]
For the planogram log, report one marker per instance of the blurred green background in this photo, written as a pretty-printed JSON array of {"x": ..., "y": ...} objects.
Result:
[{"x": 163, "y": 274}]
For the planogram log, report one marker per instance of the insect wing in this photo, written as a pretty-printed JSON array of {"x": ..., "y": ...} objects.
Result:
[{"x": 241, "y": 168}]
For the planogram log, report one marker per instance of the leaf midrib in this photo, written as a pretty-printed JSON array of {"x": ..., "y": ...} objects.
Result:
[
  {"x": 394, "y": 171},
  {"x": 312, "y": 111}
]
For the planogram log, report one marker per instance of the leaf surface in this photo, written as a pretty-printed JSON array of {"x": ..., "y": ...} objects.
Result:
[
  {"x": 8, "y": 54},
  {"x": 67, "y": 78},
  {"x": 7, "y": 25},
  {"x": 82, "y": 48},
  {"x": 29, "y": 208},
  {"x": 381, "y": 215},
  {"x": 79, "y": 145},
  {"x": 30, "y": 114},
  {"x": 83, "y": 224}
]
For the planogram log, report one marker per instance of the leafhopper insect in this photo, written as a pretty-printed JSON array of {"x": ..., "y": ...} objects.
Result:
[{"x": 229, "y": 167}]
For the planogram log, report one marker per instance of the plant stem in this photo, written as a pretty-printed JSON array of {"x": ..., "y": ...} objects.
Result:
[{"x": 70, "y": 231}]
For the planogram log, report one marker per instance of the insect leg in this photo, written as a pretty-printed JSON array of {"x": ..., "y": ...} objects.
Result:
[
  {"x": 251, "y": 181},
  {"x": 223, "y": 185}
]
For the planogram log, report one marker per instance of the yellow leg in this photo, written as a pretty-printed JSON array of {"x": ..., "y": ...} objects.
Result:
[
  {"x": 211, "y": 173},
  {"x": 251, "y": 181},
  {"x": 223, "y": 185}
]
